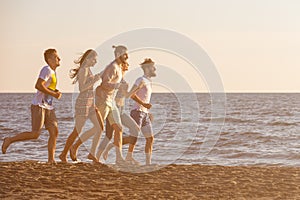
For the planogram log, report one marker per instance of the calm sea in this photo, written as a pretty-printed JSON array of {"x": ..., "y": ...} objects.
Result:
[{"x": 257, "y": 129}]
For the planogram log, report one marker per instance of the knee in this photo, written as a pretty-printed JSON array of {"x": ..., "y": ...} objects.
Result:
[
  {"x": 150, "y": 140},
  {"x": 117, "y": 128},
  {"x": 133, "y": 140},
  {"x": 36, "y": 135},
  {"x": 134, "y": 131},
  {"x": 75, "y": 132},
  {"x": 53, "y": 132}
]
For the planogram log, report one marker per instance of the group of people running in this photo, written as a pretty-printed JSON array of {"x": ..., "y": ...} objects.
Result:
[{"x": 104, "y": 107}]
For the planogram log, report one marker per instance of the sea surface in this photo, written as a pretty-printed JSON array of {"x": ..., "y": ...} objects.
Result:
[{"x": 245, "y": 129}]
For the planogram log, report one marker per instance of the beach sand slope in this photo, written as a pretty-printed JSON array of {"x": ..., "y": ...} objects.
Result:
[{"x": 34, "y": 180}]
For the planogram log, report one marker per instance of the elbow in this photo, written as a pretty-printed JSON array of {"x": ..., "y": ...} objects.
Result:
[
  {"x": 132, "y": 96},
  {"x": 37, "y": 86}
]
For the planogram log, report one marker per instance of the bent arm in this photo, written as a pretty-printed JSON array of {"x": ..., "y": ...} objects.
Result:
[
  {"x": 139, "y": 101},
  {"x": 40, "y": 85},
  {"x": 84, "y": 84},
  {"x": 132, "y": 94},
  {"x": 108, "y": 75},
  {"x": 132, "y": 91}
]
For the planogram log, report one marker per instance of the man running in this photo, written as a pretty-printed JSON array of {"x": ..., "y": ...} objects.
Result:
[
  {"x": 42, "y": 110},
  {"x": 105, "y": 97},
  {"x": 141, "y": 94}
]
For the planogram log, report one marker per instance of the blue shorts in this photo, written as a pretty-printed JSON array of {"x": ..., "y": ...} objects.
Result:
[{"x": 143, "y": 121}]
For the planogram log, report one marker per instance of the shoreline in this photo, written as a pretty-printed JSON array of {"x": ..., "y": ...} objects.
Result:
[{"x": 35, "y": 180}]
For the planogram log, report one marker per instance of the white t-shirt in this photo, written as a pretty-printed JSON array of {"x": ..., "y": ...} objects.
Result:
[
  {"x": 144, "y": 93},
  {"x": 41, "y": 99}
]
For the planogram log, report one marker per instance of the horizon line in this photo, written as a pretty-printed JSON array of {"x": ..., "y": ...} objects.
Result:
[{"x": 166, "y": 92}]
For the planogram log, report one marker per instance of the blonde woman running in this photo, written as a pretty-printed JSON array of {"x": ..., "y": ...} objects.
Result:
[{"x": 84, "y": 106}]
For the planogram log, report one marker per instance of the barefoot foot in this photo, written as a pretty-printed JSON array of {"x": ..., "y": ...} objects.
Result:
[
  {"x": 63, "y": 158},
  {"x": 51, "y": 162},
  {"x": 93, "y": 158},
  {"x": 105, "y": 154},
  {"x": 5, "y": 145},
  {"x": 132, "y": 161},
  {"x": 121, "y": 162},
  {"x": 73, "y": 153}
]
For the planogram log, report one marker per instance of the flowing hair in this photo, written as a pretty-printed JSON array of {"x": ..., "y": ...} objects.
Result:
[{"x": 80, "y": 62}]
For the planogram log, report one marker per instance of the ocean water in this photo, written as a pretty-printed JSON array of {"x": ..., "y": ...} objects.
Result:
[{"x": 251, "y": 129}]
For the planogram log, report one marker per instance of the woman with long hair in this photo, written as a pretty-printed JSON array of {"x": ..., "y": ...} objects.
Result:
[{"x": 84, "y": 106}]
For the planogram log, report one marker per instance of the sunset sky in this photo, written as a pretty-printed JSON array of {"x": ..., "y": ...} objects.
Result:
[{"x": 254, "y": 44}]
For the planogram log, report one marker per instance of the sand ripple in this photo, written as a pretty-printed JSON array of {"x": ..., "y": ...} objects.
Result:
[{"x": 33, "y": 180}]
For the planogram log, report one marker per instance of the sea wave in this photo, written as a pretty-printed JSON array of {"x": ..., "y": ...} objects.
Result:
[
  {"x": 257, "y": 129},
  {"x": 282, "y": 123},
  {"x": 5, "y": 129},
  {"x": 228, "y": 120},
  {"x": 65, "y": 119}
]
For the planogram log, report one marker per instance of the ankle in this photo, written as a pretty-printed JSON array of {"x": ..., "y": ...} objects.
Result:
[
  {"x": 129, "y": 155},
  {"x": 148, "y": 158}
]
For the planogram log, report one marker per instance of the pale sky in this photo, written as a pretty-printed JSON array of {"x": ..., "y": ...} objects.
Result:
[{"x": 254, "y": 44}]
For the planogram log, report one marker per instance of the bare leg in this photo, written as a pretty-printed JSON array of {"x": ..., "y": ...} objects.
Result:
[
  {"x": 131, "y": 148},
  {"x": 125, "y": 140},
  {"x": 118, "y": 144},
  {"x": 19, "y": 137},
  {"x": 131, "y": 140},
  {"x": 74, "y": 149},
  {"x": 134, "y": 129},
  {"x": 106, "y": 151},
  {"x": 95, "y": 143},
  {"x": 108, "y": 135},
  {"x": 148, "y": 149},
  {"x": 53, "y": 133},
  {"x": 79, "y": 123},
  {"x": 129, "y": 157},
  {"x": 72, "y": 137},
  {"x": 82, "y": 138},
  {"x": 96, "y": 139}
]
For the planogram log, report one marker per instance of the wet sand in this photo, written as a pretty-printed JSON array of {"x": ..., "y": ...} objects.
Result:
[{"x": 33, "y": 180}]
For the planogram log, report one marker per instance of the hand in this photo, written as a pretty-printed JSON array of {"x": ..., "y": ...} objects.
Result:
[
  {"x": 117, "y": 85},
  {"x": 99, "y": 118},
  {"x": 97, "y": 77},
  {"x": 57, "y": 94},
  {"x": 147, "y": 105},
  {"x": 151, "y": 117},
  {"x": 124, "y": 86}
]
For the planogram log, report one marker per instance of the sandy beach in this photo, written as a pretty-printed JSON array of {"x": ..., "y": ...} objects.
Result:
[{"x": 34, "y": 180}]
